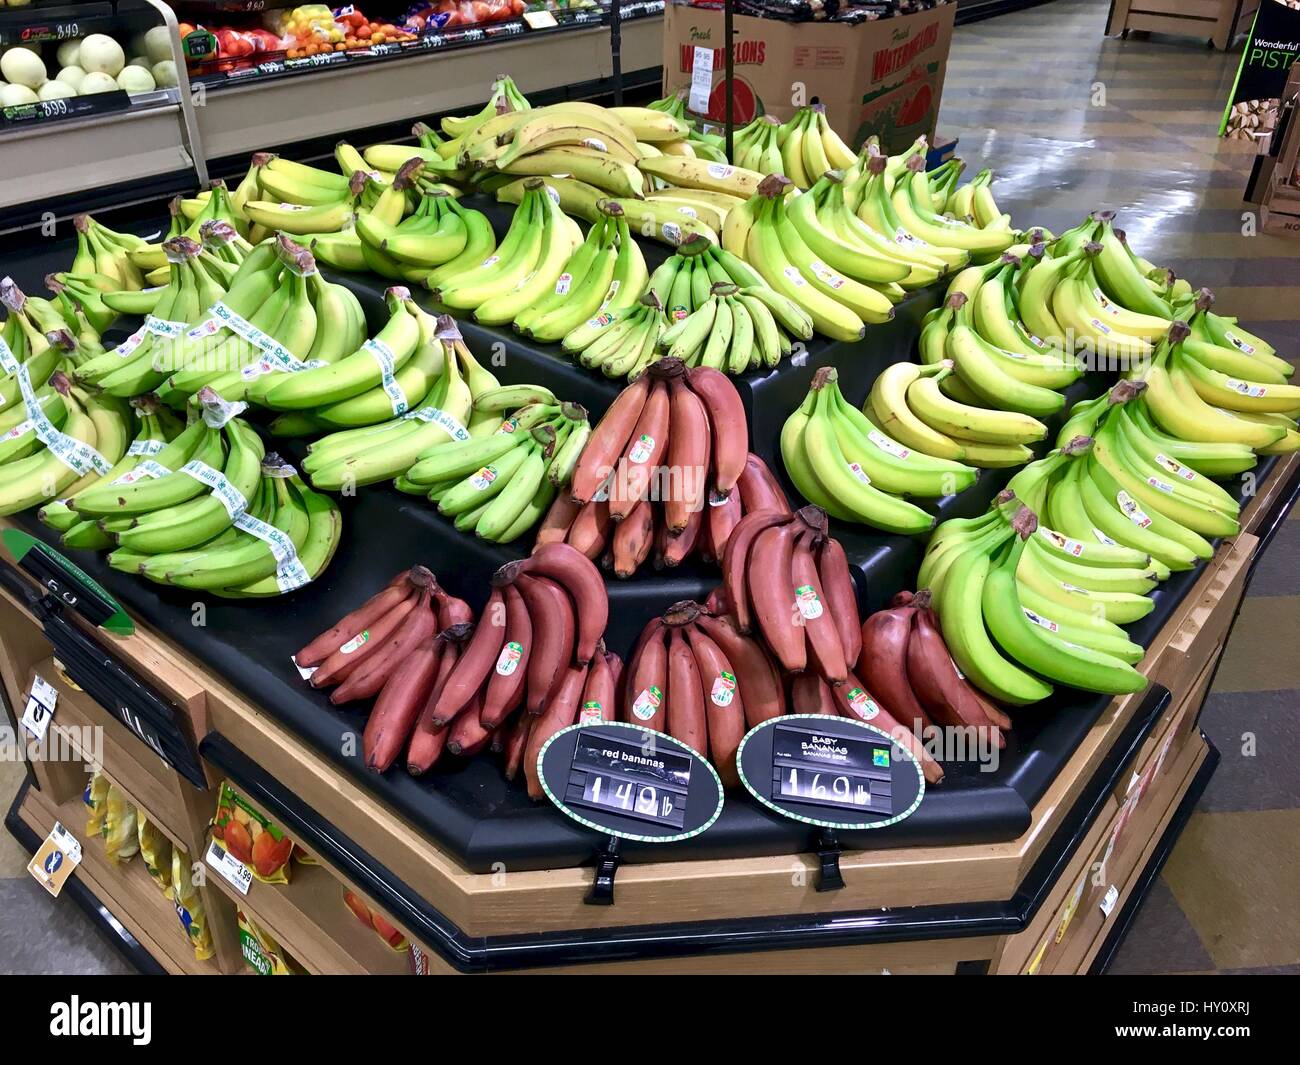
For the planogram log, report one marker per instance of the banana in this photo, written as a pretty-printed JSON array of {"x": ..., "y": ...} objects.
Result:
[
  {"x": 1138, "y": 580},
  {"x": 1031, "y": 641},
  {"x": 766, "y": 252},
  {"x": 959, "y": 604},
  {"x": 1119, "y": 276},
  {"x": 820, "y": 470},
  {"x": 48, "y": 473},
  {"x": 869, "y": 304},
  {"x": 370, "y": 365},
  {"x": 1114, "y": 484},
  {"x": 508, "y": 265},
  {"x": 1179, "y": 410},
  {"x": 957, "y": 420},
  {"x": 700, "y": 174},
  {"x": 910, "y": 201},
  {"x": 1159, "y": 493},
  {"x": 979, "y": 367},
  {"x": 1233, "y": 394},
  {"x": 324, "y": 529},
  {"x": 555, "y": 251},
  {"x": 1154, "y": 461},
  {"x": 300, "y": 219},
  {"x": 651, "y": 125},
  {"x": 856, "y": 261}
]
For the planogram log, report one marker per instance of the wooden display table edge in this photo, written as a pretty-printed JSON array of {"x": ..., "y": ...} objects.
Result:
[{"x": 1162, "y": 848}]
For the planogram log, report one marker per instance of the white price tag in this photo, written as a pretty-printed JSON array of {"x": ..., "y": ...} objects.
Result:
[
  {"x": 55, "y": 859},
  {"x": 231, "y": 498},
  {"x": 303, "y": 671},
  {"x": 701, "y": 80},
  {"x": 1109, "y": 899},
  {"x": 40, "y": 708},
  {"x": 540, "y": 20},
  {"x": 432, "y": 414},
  {"x": 231, "y": 869}
]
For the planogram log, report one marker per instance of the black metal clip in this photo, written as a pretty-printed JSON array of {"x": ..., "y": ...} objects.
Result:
[
  {"x": 828, "y": 856},
  {"x": 607, "y": 861}
]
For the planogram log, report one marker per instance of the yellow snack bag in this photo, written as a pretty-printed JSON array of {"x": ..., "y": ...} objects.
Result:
[
  {"x": 121, "y": 840},
  {"x": 261, "y": 951},
  {"x": 156, "y": 850},
  {"x": 189, "y": 906},
  {"x": 96, "y": 799}
]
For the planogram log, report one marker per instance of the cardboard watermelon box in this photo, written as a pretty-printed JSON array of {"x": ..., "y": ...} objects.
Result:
[{"x": 883, "y": 77}]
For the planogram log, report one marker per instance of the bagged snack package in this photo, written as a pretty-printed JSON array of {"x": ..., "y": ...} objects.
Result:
[
  {"x": 249, "y": 836},
  {"x": 121, "y": 840},
  {"x": 96, "y": 799},
  {"x": 261, "y": 951},
  {"x": 301, "y": 857},
  {"x": 189, "y": 906},
  {"x": 156, "y": 850},
  {"x": 375, "y": 920}
]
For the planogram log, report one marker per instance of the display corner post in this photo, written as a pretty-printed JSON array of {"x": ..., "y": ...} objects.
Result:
[
  {"x": 607, "y": 862},
  {"x": 728, "y": 31},
  {"x": 616, "y": 49}
]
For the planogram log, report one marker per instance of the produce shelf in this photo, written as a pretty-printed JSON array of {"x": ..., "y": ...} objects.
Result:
[
  {"x": 79, "y": 889},
  {"x": 1158, "y": 854},
  {"x": 131, "y": 896},
  {"x": 117, "y": 144},
  {"x": 468, "y": 808},
  {"x": 299, "y": 100},
  {"x": 309, "y": 918},
  {"x": 491, "y": 953}
]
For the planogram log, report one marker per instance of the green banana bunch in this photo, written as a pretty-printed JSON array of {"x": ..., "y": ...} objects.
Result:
[
  {"x": 1015, "y": 622},
  {"x": 500, "y": 485},
  {"x": 129, "y": 369},
  {"x": 157, "y": 426},
  {"x": 620, "y": 342},
  {"x": 53, "y": 452},
  {"x": 844, "y": 464},
  {"x": 382, "y": 450}
]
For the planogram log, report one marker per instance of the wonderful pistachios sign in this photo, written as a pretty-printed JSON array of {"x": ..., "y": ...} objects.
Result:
[{"x": 1271, "y": 48}]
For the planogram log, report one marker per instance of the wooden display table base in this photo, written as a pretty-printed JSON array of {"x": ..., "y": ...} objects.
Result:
[{"x": 1056, "y": 899}]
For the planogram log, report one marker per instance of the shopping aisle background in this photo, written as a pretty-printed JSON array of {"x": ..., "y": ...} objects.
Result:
[{"x": 1071, "y": 121}]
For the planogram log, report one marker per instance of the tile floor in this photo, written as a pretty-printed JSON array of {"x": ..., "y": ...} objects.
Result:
[
  {"x": 1149, "y": 152},
  {"x": 1020, "y": 95}
]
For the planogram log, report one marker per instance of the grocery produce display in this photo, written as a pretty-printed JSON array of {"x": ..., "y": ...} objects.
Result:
[
  {"x": 528, "y": 248},
  {"x": 84, "y": 66}
]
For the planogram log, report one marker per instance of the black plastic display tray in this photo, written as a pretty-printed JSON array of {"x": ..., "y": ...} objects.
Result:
[{"x": 467, "y": 807}]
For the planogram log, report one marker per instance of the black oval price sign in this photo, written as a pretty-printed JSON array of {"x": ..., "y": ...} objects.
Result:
[
  {"x": 631, "y": 782},
  {"x": 830, "y": 771}
]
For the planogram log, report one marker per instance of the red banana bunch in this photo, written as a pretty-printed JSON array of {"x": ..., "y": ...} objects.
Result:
[
  {"x": 694, "y": 676},
  {"x": 659, "y": 472}
]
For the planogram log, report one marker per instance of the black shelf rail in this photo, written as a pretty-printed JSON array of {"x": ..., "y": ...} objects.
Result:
[{"x": 471, "y": 954}]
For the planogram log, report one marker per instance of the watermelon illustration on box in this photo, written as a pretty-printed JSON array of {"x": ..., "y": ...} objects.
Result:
[
  {"x": 902, "y": 110},
  {"x": 745, "y": 107}
]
